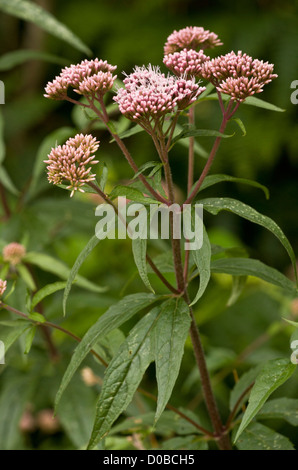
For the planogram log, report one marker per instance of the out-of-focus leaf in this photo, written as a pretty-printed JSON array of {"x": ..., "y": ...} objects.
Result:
[
  {"x": 202, "y": 258},
  {"x": 281, "y": 408},
  {"x": 210, "y": 180},
  {"x": 14, "y": 58},
  {"x": 30, "y": 11},
  {"x": 45, "y": 291}
]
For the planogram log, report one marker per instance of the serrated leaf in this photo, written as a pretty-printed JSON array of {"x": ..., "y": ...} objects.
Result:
[
  {"x": 123, "y": 375},
  {"x": 258, "y": 437},
  {"x": 14, "y": 58},
  {"x": 45, "y": 292},
  {"x": 169, "y": 336},
  {"x": 29, "y": 11},
  {"x": 210, "y": 180},
  {"x": 202, "y": 259},
  {"x": 272, "y": 376},
  {"x": 215, "y": 205},
  {"x": 139, "y": 249},
  {"x": 114, "y": 317},
  {"x": 253, "y": 267}
]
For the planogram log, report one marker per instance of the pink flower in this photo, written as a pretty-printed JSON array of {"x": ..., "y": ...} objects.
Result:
[
  {"x": 186, "y": 62},
  {"x": 3, "y": 285},
  {"x": 13, "y": 253},
  {"x": 90, "y": 77},
  {"x": 238, "y": 75},
  {"x": 191, "y": 37},
  {"x": 149, "y": 94},
  {"x": 71, "y": 162}
]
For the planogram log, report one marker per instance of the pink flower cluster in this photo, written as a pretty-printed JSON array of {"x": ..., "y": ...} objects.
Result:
[
  {"x": 150, "y": 94},
  {"x": 13, "y": 253},
  {"x": 186, "y": 62},
  {"x": 238, "y": 75},
  {"x": 91, "y": 78},
  {"x": 71, "y": 162},
  {"x": 3, "y": 285},
  {"x": 191, "y": 37}
]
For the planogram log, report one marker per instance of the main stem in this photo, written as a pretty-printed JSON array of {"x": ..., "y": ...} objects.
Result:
[{"x": 219, "y": 429}]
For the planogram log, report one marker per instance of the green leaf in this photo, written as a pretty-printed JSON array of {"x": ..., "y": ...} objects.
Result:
[
  {"x": 29, "y": 339},
  {"x": 155, "y": 165},
  {"x": 253, "y": 267},
  {"x": 253, "y": 101},
  {"x": 104, "y": 177},
  {"x": 259, "y": 437},
  {"x": 169, "y": 336},
  {"x": 139, "y": 249},
  {"x": 202, "y": 259},
  {"x": 272, "y": 376},
  {"x": 55, "y": 138},
  {"x": 123, "y": 375},
  {"x": 26, "y": 276},
  {"x": 14, "y": 58},
  {"x": 45, "y": 292},
  {"x": 281, "y": 408},
  {"x": 245, "y": 381},
  {"x": 72, "y": 276},
  {"x": 7, "y": 182},
  {"x": 76, "y": 412},
  {"x": 210, "y": 180},
  {"x": 50, "y": 264},
  {"x": 215, "y": 205},
  {"x": 132, "y": 131},
  {"x": 241, "y": 126},
  {"x": 191, "y": 442},
  {"x": 132, "y": 194},
  {"x": 15, "y": 395},
  {"x": 29, "y": 11},
  {"x": 237, "y": 288},
  {"x": 38, "y": 317},
  {"x": 9, "y": 335},
  {"x": 114, "y": 317},
  {"x": 199, "y": 133},
  {"x": 2, "y": 144}
]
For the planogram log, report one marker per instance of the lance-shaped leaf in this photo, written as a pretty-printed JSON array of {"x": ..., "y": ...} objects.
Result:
[
  {"x": 272, "y": 376},
  {"x": 210, "y": 180},
  {"x": 253, "y": 267},
  {"x": 30, "y": 11},
  {"x": 114, "y": 317},
  {"x": 202, "y": 259},
  {"x": 139, "y": 249},
  {"x": 123, "y": 376},
  {"x": 169, "y": 336},
  {"x": 215, "y": 205}
]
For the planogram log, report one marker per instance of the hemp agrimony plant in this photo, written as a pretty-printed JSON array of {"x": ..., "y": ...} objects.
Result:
[{"x": 165, "y": 105}]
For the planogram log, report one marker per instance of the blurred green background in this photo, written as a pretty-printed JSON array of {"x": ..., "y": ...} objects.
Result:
[{"x": 129, "y": 33}]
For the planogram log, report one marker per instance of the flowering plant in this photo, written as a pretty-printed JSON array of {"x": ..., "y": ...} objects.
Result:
[{"x": 165, "y": 105}]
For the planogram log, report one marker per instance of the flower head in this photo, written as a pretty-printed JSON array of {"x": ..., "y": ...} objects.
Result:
[
  {"x": 71, "y": 162},
  {"x": 191, "y": 37},
  {"x": 238, "y": 75},
  {"x": 13, "y": 253},
  {"x": 90, "y": 77},
  {"x": 3, "y": 285},
  {"x": 186, "y": 62},
  {"x": 150, "y": 94}
]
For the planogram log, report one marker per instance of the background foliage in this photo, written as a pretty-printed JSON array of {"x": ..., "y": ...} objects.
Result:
[{"x": 236, "y": 337}]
